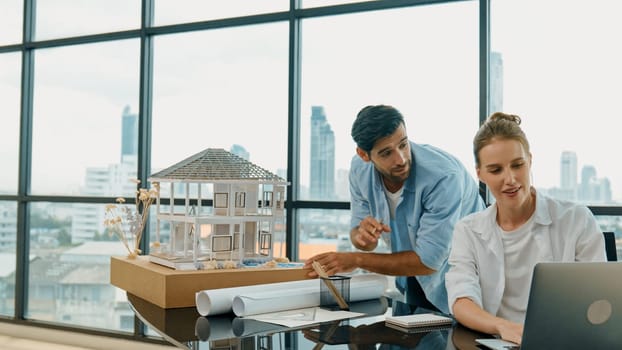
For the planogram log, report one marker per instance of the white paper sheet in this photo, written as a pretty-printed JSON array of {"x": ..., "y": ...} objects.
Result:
[
  {"x": 290, "y": 318},
  {"x": 223, "y": 327},
  {"x": 275, "y": 296},
  {"x": 243, "y": 327}
]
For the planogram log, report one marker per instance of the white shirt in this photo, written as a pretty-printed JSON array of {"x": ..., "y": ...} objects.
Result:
[
  {"x": 520, "y": 256},
  {"x": 393, "y": 199},
  {"x": 562, "y": 231}
]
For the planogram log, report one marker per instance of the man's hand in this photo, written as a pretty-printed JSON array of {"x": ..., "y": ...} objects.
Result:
[
  {"x": 366, "y": 235},
  {"x": 333, "y": 262}
]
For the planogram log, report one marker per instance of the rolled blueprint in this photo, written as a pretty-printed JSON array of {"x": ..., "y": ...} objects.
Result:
[
  {"x": 220, "y": 301},
  {"x": 362, "y": 287},
  {"x": 261, "y": 303}
]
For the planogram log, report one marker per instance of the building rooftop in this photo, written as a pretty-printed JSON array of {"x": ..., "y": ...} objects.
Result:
[
  {"x": 94, "y": 252},
  {"x": 213, "y": 165},
  {"x": 87, "y": 274},
  {"x": 7, "y": 264}
]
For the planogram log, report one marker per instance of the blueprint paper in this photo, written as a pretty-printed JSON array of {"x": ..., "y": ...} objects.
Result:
[
  {"x": 274, "y": 297},
  {"x": 362, "y": 287},
  {"x": 287, "y": 318},
  {"x": 218, "y": 301},
  {"x": 261, "y": 303}
]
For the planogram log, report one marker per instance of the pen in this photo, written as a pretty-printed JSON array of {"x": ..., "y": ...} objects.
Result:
[{"x": 376, "y": 231}]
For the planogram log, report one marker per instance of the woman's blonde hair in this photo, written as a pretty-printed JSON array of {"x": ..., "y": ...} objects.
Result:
[{"x": 499, "y": 126}]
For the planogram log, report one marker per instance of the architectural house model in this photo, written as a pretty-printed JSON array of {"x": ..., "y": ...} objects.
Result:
[{"x": 232, "y": 212}]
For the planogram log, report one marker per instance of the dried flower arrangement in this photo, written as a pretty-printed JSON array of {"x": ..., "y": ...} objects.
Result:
[{"x": 127, "y": 224}]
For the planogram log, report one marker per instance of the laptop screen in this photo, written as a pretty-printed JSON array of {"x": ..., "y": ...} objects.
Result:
[{"x": 574, "y": 305}]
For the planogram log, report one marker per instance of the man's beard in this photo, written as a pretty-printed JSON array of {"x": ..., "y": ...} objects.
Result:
[{"x": 398, "y": 178}]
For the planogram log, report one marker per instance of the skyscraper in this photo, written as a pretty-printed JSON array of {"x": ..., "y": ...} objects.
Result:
[
  {"x": 588, "y": 179},
  {"x": 568, "y": 175},
  {"x": 594, "y": 189},
  {"x": 568, "y": 170},
  {"x": 322, "y": 156},
  {"x": 605, "y": 190},
  {"x": 496, "y": 82},
  {"x": 240, "y": 151},
  {"x": 129, "y": 136},
  {"x": 112, "y": 180}
]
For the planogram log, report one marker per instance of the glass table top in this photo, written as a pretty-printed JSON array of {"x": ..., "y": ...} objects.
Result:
[{"x": 186, "y": 329}]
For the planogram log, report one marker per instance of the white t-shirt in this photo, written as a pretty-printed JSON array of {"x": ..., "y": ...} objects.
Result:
[
  {"x": 520, "y": 251},
  {"x": 393, "y": 199}
]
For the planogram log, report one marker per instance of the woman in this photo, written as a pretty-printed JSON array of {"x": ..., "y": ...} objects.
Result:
[{"x": 494, "y": 251}]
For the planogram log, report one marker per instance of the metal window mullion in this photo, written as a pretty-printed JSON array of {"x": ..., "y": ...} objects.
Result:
[
  {"x": 144, "y": 123},
  {"x": 25, "y": 165},
  {"x": 145, "y": 105},
  {"x": 484, "y": 75},
  {"x": 293, "y": 133}
]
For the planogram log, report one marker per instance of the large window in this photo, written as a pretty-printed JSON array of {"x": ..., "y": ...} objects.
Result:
[
  {"x": 324, "y": 230},
  {"x": 8, "y": 224},
  {"x": 561, "y": 73},
  {"x": 220, "y": 88},
  {"x": 421, "y": 60},
  {"x": 612, "y": 224},
  {"x": 11, "y": 22},
  {"x": 170, "y": 11},
  {"x": 85, "y": 124},
  {"x": 93, "y": 95},
  {"x": 9, "y": 110},
  {"x": 69, "y": 278},
  {"x": 63, "y": 18}
]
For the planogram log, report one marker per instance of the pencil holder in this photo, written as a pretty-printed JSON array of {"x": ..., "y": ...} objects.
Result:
[{"x": 342, "y": 286}]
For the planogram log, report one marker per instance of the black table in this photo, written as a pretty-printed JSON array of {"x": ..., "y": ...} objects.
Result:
[{"x": 186, "y": 329}]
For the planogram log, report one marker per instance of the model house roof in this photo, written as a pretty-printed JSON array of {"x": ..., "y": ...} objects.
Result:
[{"x": 214, "y": 165}]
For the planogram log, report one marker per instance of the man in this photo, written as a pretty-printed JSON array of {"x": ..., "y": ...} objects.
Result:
[{"x": 409, "y": 195}]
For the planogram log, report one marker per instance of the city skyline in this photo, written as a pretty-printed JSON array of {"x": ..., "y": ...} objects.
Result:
[
  {"x": 589, "y": 189},
  {"x": 249, "y": 81},
  {"x": 322, "y": 166},
  {"x": 445, "y": 92},
  {"x": 111, "y": 180}
]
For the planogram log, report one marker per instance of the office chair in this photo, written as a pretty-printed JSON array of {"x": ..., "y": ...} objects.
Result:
[{"x": 610, "y": 246}]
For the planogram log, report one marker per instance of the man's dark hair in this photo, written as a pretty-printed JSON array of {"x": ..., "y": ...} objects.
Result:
[{"x": 373, "y": 123}]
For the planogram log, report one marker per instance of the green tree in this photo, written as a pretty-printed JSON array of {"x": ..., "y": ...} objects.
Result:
[{"x": 63, "y": 237}]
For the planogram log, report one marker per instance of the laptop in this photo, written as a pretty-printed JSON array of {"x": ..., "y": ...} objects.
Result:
[{"x": 572, "y": 305}]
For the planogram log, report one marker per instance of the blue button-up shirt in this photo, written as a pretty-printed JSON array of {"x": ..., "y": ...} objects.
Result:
[{"x": 438, "y": 192}]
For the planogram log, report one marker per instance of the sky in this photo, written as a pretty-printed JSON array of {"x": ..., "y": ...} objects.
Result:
[
  {"x": 562, "y": 79},
  {"x": 562, "y": 76}
]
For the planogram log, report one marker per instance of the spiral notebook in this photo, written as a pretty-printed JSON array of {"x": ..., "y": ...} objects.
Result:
[{"x": 419, "y": 322}]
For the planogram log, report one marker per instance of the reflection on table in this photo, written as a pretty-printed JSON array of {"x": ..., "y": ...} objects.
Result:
[{"x": 186, "y": 329}]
